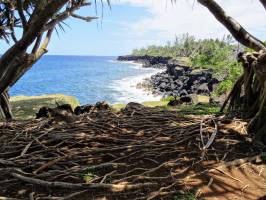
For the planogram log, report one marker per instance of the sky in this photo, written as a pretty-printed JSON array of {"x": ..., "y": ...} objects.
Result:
[{"x": 131, "y": 24}]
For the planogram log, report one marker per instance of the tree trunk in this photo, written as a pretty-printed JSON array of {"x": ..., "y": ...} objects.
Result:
[
  {"x": 11, "y": 57},
  {"x": 248, "y": 97},
  {"x": 5, "y": 106}
]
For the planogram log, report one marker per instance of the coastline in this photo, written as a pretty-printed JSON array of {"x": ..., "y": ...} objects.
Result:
[
  {"x": 131, "y": 88},
  {"x": 90, "y": 81},
  {"x": 177, "y": 79}
]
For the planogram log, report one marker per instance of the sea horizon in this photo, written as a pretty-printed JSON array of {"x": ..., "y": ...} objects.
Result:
[{"x": 89, "y": 78}]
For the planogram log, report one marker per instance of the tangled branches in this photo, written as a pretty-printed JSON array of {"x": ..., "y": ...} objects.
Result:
[
  {"x": 139, "y": 153},
  {"x": 248, "y": 96}
]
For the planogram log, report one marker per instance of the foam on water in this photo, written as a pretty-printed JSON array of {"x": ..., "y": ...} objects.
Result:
[{"x": 127, "y": 90}]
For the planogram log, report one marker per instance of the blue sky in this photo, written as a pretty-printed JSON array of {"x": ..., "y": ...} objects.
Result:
[{"x": 137, "y": 23}]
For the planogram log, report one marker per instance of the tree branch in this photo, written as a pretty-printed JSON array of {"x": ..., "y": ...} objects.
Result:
[
  {"x": 31, "y": 59},
  {"x": 263, "y": 3},
  {"x": 21, "y": 15},
  {"x": 64, "y": 15},
  {"x": 85, "y": 18},
  {"x": 37, "y": 44},
  {"x": 239, "y": 33},
  {"x": 8, "y": 62},
  {"x": 43, "y": 48},
  {"x": 13, "y": 36}
]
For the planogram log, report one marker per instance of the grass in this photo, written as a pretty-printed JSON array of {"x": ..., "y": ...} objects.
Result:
[
  {"x": 117, "y": 107},
  {"x": 88, "y": 177},
  {"x": 25, "y": 107},
  {"x": 188, "y": 195},
  {"x": 155, "y": 103},
  {"x": 162, "y": 103},
  {"x": 201, "y": 109}
]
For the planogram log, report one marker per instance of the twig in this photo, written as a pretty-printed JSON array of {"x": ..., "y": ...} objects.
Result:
[{"x": 72, "y": 186}]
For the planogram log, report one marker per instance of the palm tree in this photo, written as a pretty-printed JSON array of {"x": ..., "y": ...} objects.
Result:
[{"x": 37, "y": 21}]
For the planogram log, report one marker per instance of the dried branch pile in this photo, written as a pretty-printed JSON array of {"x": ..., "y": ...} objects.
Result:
[{"x": 140, "y": 153}]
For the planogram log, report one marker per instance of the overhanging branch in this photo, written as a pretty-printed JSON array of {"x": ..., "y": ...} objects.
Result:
[
  {"x": 263, "y": 3},
  {"x": 239, "y": 33}
]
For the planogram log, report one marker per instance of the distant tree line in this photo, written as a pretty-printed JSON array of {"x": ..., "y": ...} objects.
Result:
[{"x": 201, "y": 52}]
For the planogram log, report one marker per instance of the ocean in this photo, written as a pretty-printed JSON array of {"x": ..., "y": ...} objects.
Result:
[{"x": 89, "y": 78}]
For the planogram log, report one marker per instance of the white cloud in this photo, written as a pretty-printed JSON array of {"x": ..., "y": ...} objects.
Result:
[{"x": 187, "y": 16}]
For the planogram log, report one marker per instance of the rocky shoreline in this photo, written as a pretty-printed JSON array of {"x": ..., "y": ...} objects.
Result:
[
  {"x": 158, "y": 62},
  {"x": 177, "y": 79}
]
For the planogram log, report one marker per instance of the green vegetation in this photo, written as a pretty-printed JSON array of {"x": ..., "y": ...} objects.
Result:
[
  {"x": 155, "y": 103},
  {"x": 188, "y": 195},
  {"x": 88, "y": 177},
  {"x": 25, "y": 107},
  {"x": 203, "y": 108},
  {"x": 117, "y": 107},
  {"x": 163, "y": 103},
  {"x": 217, "y": 54},
  {"x": 200, "y": 109}
]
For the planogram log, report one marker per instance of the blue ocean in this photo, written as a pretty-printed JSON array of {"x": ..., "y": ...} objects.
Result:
[{"x": 89, "y": 78}]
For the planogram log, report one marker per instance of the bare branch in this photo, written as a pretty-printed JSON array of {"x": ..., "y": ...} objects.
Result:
[
  {"x": 85, "y": 18},
  {"x": 37, "y": 44},
  {"x": 43, "y": 48},
  {"x": 64, "y": 15}
]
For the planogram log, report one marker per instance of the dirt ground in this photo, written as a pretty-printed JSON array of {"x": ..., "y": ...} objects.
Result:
[{"x": 138, "y": 153}]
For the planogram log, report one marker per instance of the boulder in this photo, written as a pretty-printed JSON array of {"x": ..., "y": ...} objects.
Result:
[
  {"x": 132, "y": 106},
  {"x": 83, "y": 109},
  {"x": 183, "y": 93},
  {"x": 46, "y": 112},
  {"x": 102, "y": 106},
  {"x": 60, "y": 113},
  {"x": 92, "y": 108},
  {"x": 189, "y": 99},
  {"x": 42, "y": 113},
  {"x": 175, "y": 102},
  {"x": 203, "y": 89},
  {"x": 175, "y": 71},
  {"x": 66, "y": 107},
  {"x": 163, "y": 85}
]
